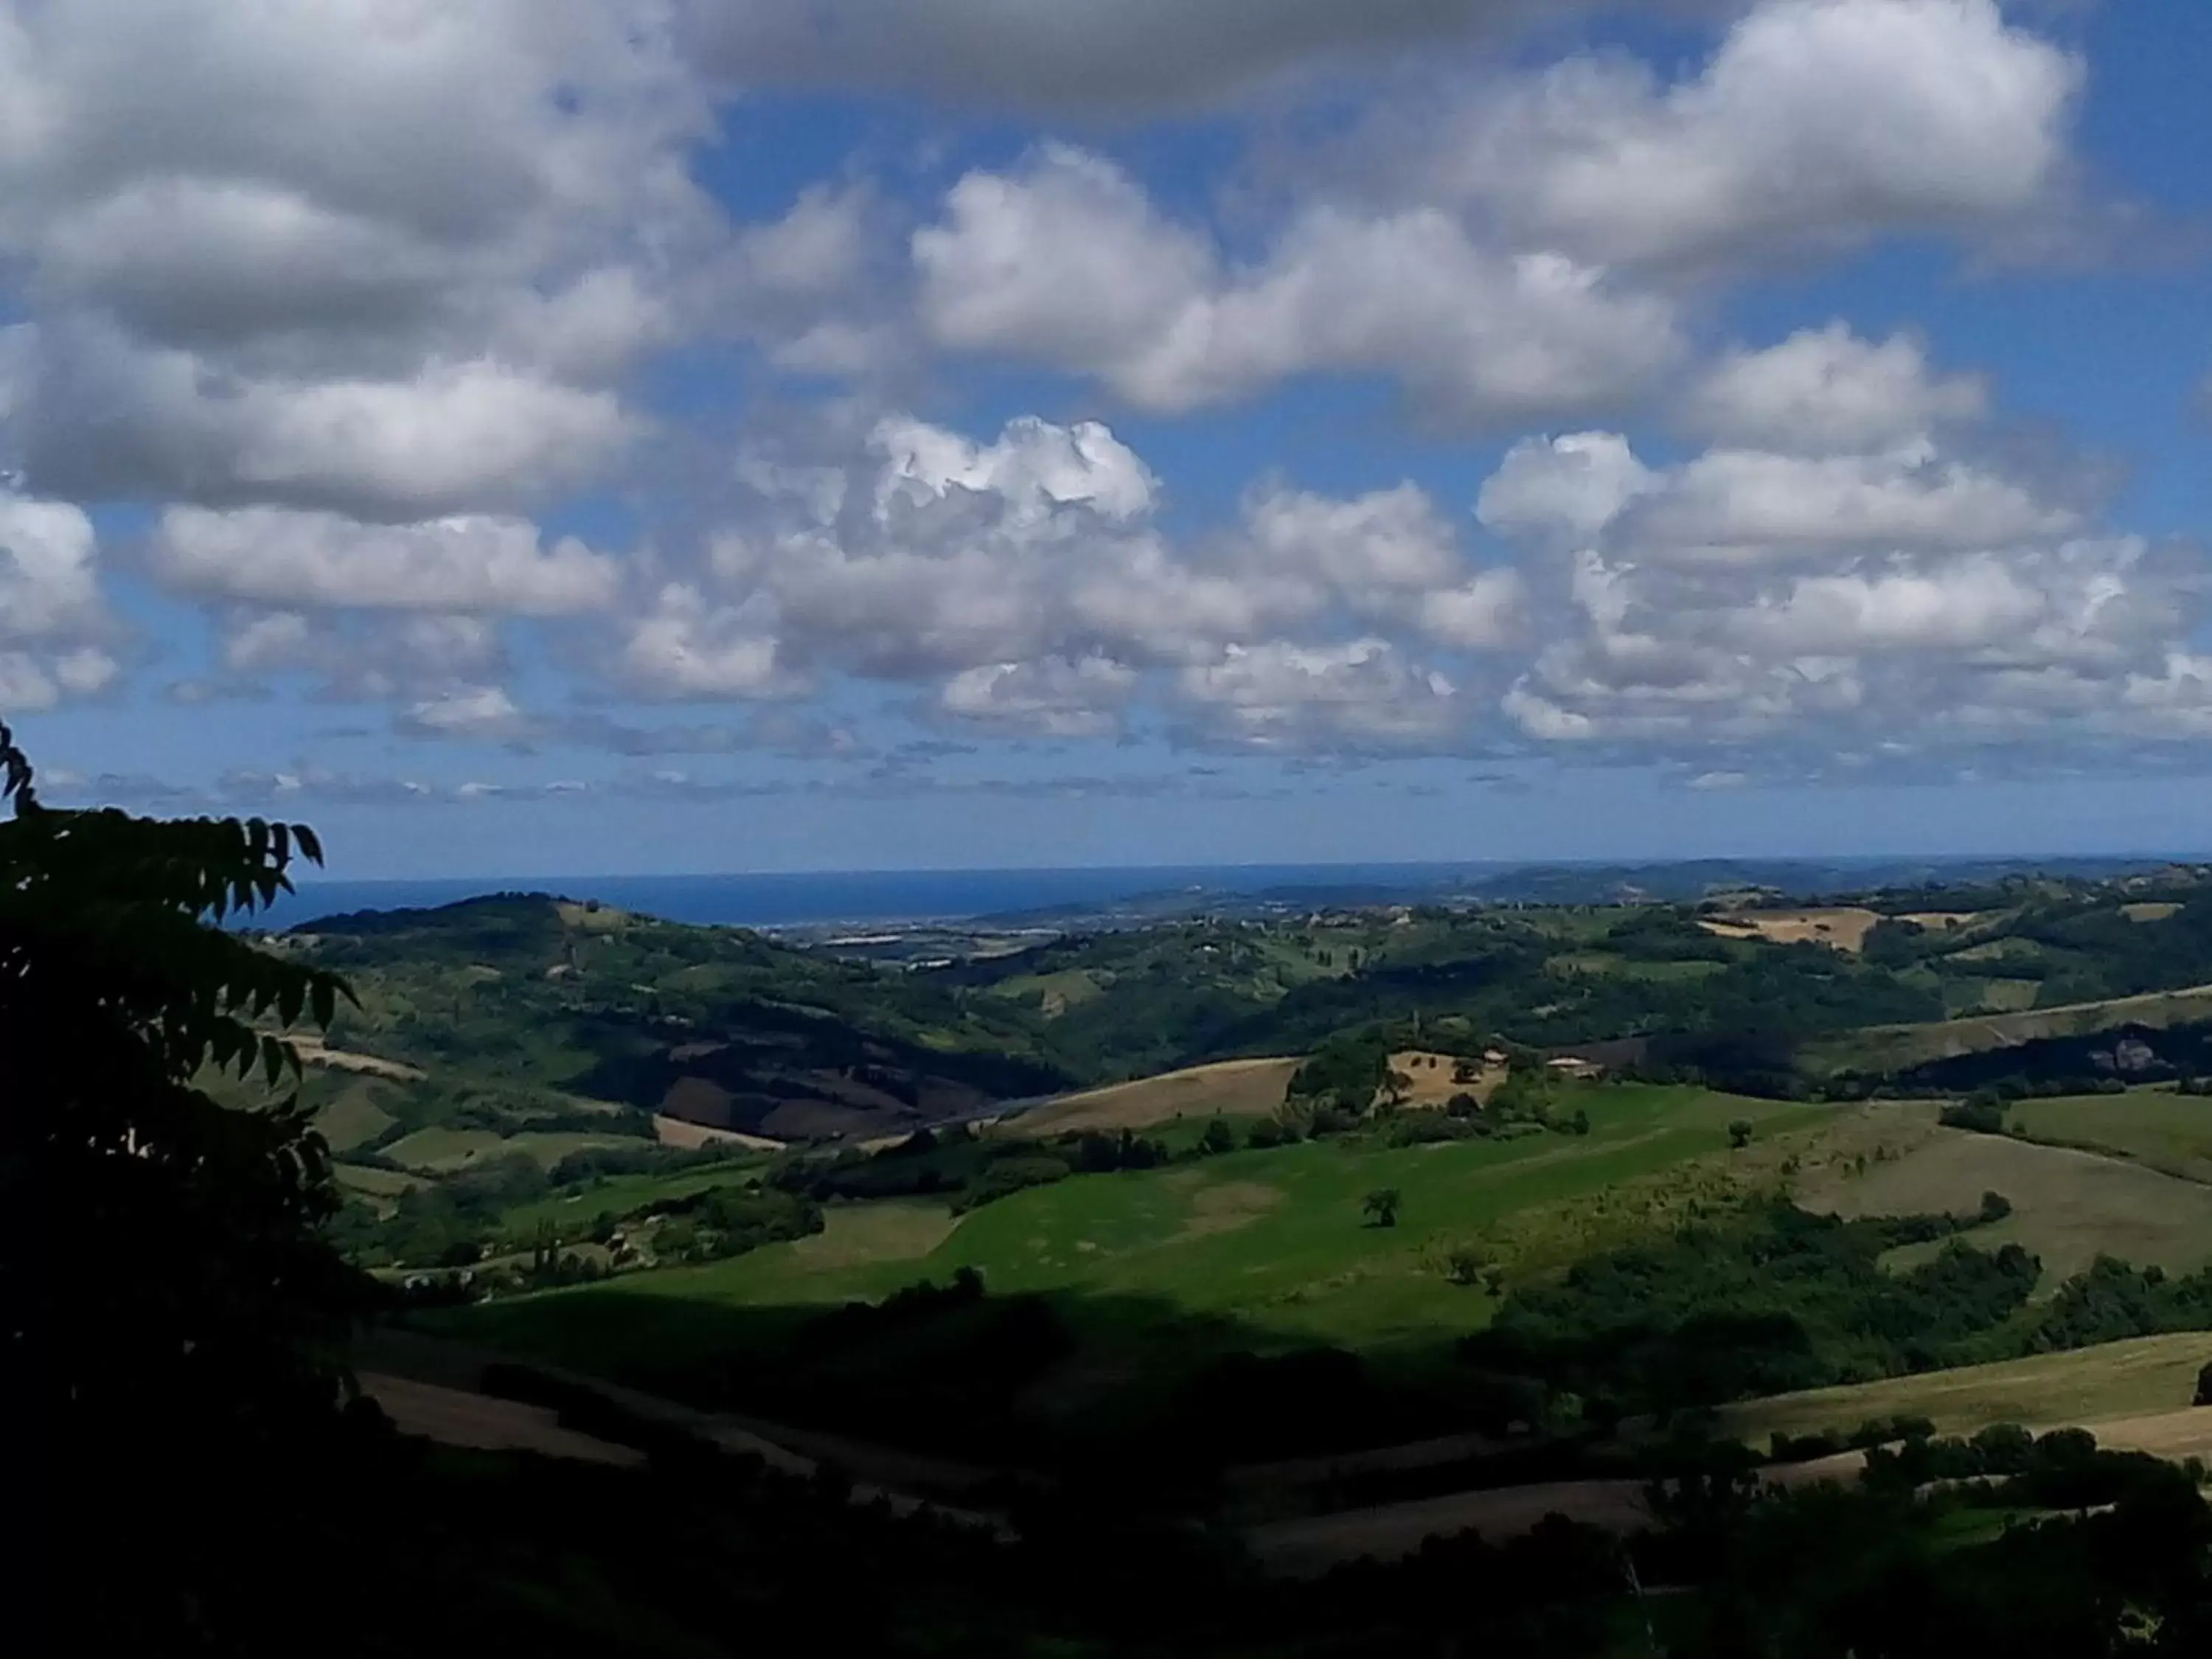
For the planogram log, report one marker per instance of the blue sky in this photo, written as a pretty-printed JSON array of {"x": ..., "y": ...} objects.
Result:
[{"x": 662, "y": 435}]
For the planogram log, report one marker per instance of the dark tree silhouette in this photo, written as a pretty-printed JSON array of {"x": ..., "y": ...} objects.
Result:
[
  {"x": 1381, "y": 1206},
  {"x": 174, "y": 1321}
]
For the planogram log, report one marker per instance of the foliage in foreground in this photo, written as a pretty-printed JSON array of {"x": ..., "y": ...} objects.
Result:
[{"x": 174, "y": 1317}]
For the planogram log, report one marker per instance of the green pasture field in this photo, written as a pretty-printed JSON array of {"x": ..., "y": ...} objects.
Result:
[
  {"x": 1067, "y": 989},
  {"x": 2068, "y": 1208},
  {"x": 1606, "y": 962},
  {"x": 373, "y": 1183},
  {"x": 442, "y": 1151},
  {"x": 620, "y": 1194},
  {"x": 550, "y": 1147},
  {"x": 1268, "y": 1245},
  {"x": 2156, "y": 1127},
  {"x": 354, "y": 1115},
  {"x": 1965, "y": 997}
]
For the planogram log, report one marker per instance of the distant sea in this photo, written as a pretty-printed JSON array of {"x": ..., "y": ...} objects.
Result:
[
  {"x": 857, "y": 898},
  {"x": 814, "y": 899}
]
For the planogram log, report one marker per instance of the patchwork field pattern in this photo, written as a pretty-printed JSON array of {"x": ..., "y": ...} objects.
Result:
[
  {"x": 2067, "y": 1206},
  {"x": 1272, "y": 1243}
]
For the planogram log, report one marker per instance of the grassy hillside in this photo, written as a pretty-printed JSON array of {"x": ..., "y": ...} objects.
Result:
[
  {"x": 1893, "y": 1048},
  {"x": 2115, "y": 1379},
  {"x": 1159, "y": 1272},
  {"x": 1540, "y": 1252},
  {"x": 715, "y": 1025},
  {"x": 2068, "y": 1208},
  {"x": 1149, "y": 1000},
  {"x": 2168, "y": 1132}
]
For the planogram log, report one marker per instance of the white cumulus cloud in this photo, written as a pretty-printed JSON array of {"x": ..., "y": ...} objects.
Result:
[
  {"x": 1053, "y": 697},
  {"x": 1826, "y": 390},
  {"x": 1067, "y": 261},
  {"x": 1816, "y": 124},
  {"x": 282, "y": 559},
  {"x": 1360, "y": 694}
]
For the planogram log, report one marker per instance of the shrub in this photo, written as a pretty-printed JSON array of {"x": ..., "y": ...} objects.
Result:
[
  {"x": 1009, "y": 1176},
  {"x": 1983, "y": 1117},
  {"x": 1427, "y": 1129}
]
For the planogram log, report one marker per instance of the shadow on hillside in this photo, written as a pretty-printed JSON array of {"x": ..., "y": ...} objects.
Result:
[{"x": 1120, "y": 1389}]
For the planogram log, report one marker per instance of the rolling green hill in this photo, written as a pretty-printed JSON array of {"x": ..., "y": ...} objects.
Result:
[
  {"x": 1126, "y": 1252},
  {"x": 541, "y": 998}
]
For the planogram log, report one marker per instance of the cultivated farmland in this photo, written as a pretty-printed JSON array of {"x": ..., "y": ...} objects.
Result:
[
  {"x": 2068, "y": 1208},
  {"x": 1229, "y": 1088},
  {"x": 2143, "y": 1377}
]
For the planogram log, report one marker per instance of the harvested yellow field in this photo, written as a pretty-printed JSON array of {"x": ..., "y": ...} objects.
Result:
[
  {"x": 311, "y": 1052},
  {"x": 1231, "y": 1087},
  {"x": 1940, "y": 921},
  {"x": 675, "y": 1132},
  {"x": 1434, "y": 1079},
  {"x": 2171, "y": 1435},
  {"x": 2148, "y": 912},
  {"x": 2132, "y": 1388},
  {"x": 1843, "y": 927}
]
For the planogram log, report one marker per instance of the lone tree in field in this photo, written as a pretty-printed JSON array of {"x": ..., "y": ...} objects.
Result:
[
  {"x": 175, "y": 1319},
  {"x": 1381, "y": 1206},
  {"x": 2205, "y": 1387},
  {"x": 1739, "y": 1133}
]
